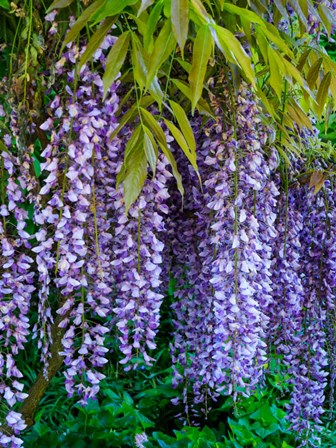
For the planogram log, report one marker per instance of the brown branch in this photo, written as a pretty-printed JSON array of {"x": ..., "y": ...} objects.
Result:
[
  {"x": 37, "y": 390},
  {"x": 41, "y": 384}
]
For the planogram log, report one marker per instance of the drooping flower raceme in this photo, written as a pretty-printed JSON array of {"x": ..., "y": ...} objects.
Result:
[{"x": 228, "y": 268}]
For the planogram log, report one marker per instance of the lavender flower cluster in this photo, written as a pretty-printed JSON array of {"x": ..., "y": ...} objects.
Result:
[
  {"x": 255, "y": 269},
  {"x": 94, "y": 265},
  {"x": 226, "y": 245}
]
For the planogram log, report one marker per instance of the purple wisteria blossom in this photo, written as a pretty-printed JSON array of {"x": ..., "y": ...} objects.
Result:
[{"x": 220, "y": 316}]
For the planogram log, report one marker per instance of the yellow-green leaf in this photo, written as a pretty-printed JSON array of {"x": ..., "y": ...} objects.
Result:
[
  {"x": 150, "y": 148},
  {"x": 230, "y": 45},
  {"x": 144, "y": 5},
  {"x": 243, "y": 12},
  {"x": 58, "y": 4},
  {"x": 138, "y": 62},
  {"x": 202, "y": 49},
  {"x": 322, "y": 94},
  {"x": 273, "y": 35},
  {"x": 181, "y": 141},
  {"x": 111, "y": 8},
  {"x": 180, "y": 21},
  {"x": 202, "y": 106},
  {"x": 276, "y": 71},
  {"x": 97, "y": 39},
  {"x": 82, "y": 21},
  {"x": 200, "y": 12},
  {"x": 163, "y": 47},
  {"x": 314, "y": 72},
  {"x": 184, "y": 124},
  {"x": 136, "y": 176},
  {"x": 115, "y": 60},
  {"x": 151, "y": 25},
  {"x": 152, "y": 124},
  {"x": 131, "y": 146}
]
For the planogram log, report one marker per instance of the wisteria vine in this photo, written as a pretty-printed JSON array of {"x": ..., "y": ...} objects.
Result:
[{"x": 252, "y": 251}]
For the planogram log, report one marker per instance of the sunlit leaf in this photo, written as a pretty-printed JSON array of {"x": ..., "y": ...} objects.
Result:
[
  {"x": 163, "y": 47},
  {"x": 322, "y": 93},
  {"x": 82, "y": 20},
  {"x": 184, "y": 124},
  {"x": 111, "y": 8},
  {"x": 151, "y": 25},
  {"x": 180, "y": 21},
  {"x": 243, "y": 12},
  {"x": 202, "y": 49},
  {"x": 314, "y": 72},
  {"x": 58, "y": 4},
  {"x": 144, "y": 5},
  {"x": 276, "y": 67},
  {"x": 115, "y": 60},
  {"x": 230, "y": 46},
  {"x": 150, "y": 148},
  {"x": 155, "y": 128},
  {"x": 97, "y": 39}
]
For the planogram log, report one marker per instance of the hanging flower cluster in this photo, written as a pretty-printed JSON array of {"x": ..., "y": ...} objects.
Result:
[
  {"x": 226, "y": 246},
  {"x": 257, "y": 279},
  {"x": 90, "y": 257}
]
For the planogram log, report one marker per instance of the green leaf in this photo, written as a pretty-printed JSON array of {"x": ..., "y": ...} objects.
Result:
[
  {"x": 326, "y": 16},
  {"x": 58, "y": 4},
  {"x": 200, "y": 12},
  {"x": 97, "y": 39},
  {"x": 243, "y": 12},
  {"x": 115, "y": 60},
  {"x": 276, "y": 67},
  {"x": 322, "y": 94},
  {"x": 202, "y": 105},
  {"x": 281, "y": 8},
  {"x": 82, "y": 21},
  {"x": 150, "y": 148},
  {"x": 130, "y": 147},
  {"x": 180, "y": 21},
  {"x": 136, "y": 176},
  {"x": 138, "y": 61},
  {"x": 297, "y": 8},
  {"x": 156, "y": 91},
  {"x": 273, "y": 35},
  {"x": 232, "y": 48},
  {"x": 184, "y": 124},
  {"x": 202, "y": 49},
  {"x": 181, "y": 141},
  {"x": 144, "y": 5},
  {"x": 152, "y": 124},
  {"x": 163, "y": 47},
  {"x": 128, "y": 117},
  {"x": 314, "y": 72},
  {"x": 151, "y": 25},
  {"x": 4, "y": 4},
  {"x": 37, "y": 167},
  {"x": 3, "y": 147},
  {"x": 111, "y": 8}
]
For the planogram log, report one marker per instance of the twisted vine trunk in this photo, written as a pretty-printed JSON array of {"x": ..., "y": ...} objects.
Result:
[{"x": 38, "y": 388}]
